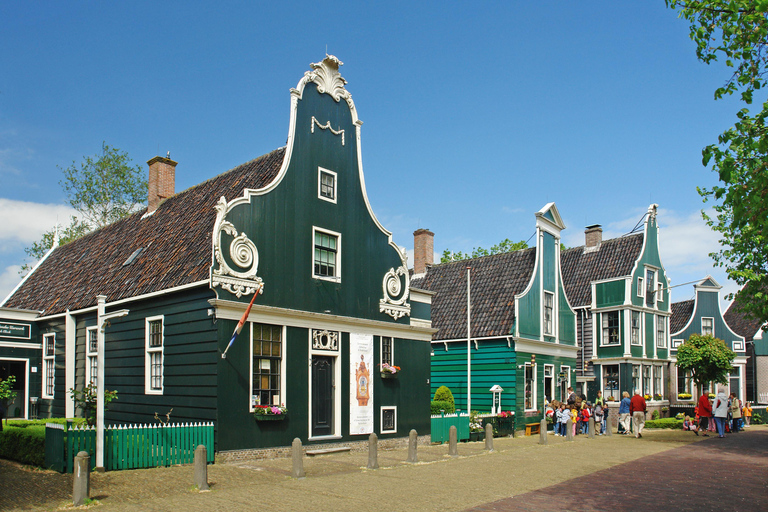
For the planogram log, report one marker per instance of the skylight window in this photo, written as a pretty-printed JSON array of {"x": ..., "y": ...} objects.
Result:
[{"x": 133, "y": 256}]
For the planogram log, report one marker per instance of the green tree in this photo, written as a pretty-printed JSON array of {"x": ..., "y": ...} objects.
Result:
[
  {"x": 102, "y": 189},
  {"x": 706, "y": 357},
  {"x": 7, "y": 394},
  {"x": 737, "y": 31},
  {"x": 86, "y": 400},
  {"x": 505, "y": 245}
]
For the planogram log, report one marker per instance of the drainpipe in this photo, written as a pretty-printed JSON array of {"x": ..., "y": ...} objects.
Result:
[{"x": 469, "y": 347}]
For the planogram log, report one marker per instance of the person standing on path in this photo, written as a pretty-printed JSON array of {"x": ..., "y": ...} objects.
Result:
[
  {"x": 720, "y": 410},
  {"x": 637, "y": 407},
  {"x": 624, "y": 412},
  {"x": 705, "y": 412},
  {"x": 747, "y": 414},
  {"x": 735, "y": 412}
]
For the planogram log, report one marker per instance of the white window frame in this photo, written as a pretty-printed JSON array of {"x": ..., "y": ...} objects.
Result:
[
  {"x": 637, "y": 378},
  {"x": 657, "y": 368},
  {"x": 90, "y": 355},
  {"x": 677, "y": 342},
  {"x": 639, "y": 341},
  {"x": 688, "y": 385},
  {"x": 603, "y": 328},
  {"x": 738, "y": 345},
  {"x": 283, "y": 357},
  {"x": 381, "y": 419},
  {"x": 320, "y": 172},
  {"x": 337, "y": 277},
  {"x": 712, "y": 331},
  {"x": 652, "y": 285},
  {"x": 641, "y": 288},
  {"x": 49, "y": 360},
  {"x": 549, "y": 326},
  {"x": 603, "y": 372},
  {"x": 661, "y": 321},
  {"x": 552, "y": 377},
  {"x": 533, "y": 386},
  {"x": 148, "y": 390},
  {"x": 391, "y": 350},
  {"x": 659, "y": 292},
  {"x": 567, "y": 371}
]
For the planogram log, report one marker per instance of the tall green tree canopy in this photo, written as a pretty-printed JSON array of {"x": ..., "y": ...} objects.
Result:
[
  {"x": 736, "y": 31},
  {"x": 102, "y": 189},
  {"x": 505, "y": 245},
  {"x": 706, "y": 357}
]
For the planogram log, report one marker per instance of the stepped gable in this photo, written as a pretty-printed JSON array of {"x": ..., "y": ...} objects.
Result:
[
  {"x": 614, "y": 258},
  {"x": 176, "y": 243},
  {"x": 681, "y": 313},
  {"x": 495, "y": 282}
]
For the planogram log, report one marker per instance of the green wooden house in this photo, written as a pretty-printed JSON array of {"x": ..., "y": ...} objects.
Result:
[
  {"x": 702, "y": 315},
  {"x": 294, "y": 226},
  {"x": 521, "y": 327},
  {"x": 620, "y": 292},
  {"x": 756, "y": 341}
]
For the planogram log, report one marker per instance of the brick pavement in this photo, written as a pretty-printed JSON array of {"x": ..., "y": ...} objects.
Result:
[{"x": 340, "y": 482}]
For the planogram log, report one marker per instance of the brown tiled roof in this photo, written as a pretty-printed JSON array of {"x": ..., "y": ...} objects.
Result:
[
  {"x": 681, "y": 313},
  {"x": 740, "y": 322},
  {"x": 176, "y": 240},
  {"x": 495, "y": 282},
  {"x": 614, "y": 258}
]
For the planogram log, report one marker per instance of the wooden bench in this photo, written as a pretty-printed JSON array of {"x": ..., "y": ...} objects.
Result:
[{"x": 532, "y": 428}]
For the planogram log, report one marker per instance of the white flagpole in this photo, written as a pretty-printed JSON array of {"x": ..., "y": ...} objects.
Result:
[{"x": 469, "y": 348}]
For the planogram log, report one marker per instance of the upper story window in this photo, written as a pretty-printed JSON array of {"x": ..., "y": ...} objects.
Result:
[
  {"x": 326, "y": 185},
  {"x": 549, "y": 302},
  {"x": 327, "y": 255},
  {"x": 153, "y": 357},
  {"x": 386, "y": 350},
  {"x": 661, "y": 332},
  {"x": 650, "y": 288},
  {"x": 640, "y": 289},
  {"x": 610, "y": 322},
  {"x": 635, "y": 325},
  {"x": 49, "y": 364},
  {"x": 707, "y": 326},
  {"x": 91, "y": 353},
  {"x": 267, "y": 354},
  {"x": 659, "y": 292},
  {"x": 530, "y": 387}
]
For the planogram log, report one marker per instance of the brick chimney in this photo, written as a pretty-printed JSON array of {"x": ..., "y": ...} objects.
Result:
[
  {"x": 423, "y": 250},
  {"x": 593, "y": 236},
  {"x": 162, "y": 181}
]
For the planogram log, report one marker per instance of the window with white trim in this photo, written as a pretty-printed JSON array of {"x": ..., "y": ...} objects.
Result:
[
  {"x": 388, "y": 420},
  {"x": 661, "y": 331},
  {"x": 738, "y": 345},
  {"x": 49, "y": 364},
  {"x": 650, "y": 278},
  {"x": 565, "y": 382},
  {"x": 677, "y": 342},
  {"x": 640, "y": 289},
  {"x": 707, "y": 326},
  {"x": 659, "y": 292},
  {"x": 549, "y": 382},
  {"x": 658, "y": 389},
  {"x": 154, "y": 357},
  {"x": 610, "y": 321},
  {"x": 267, "y": 356},
  {"x": 611, "y": 381},
  {"x": 386, "y": 350},
  {"x": 684, "y": 385},
  {"x": 635, "y": 326},
  {"x": 549, "y": 302},
  {"x": 91, "y": 353},
  {"x": 636, "y": 378},
  {"x": 326, "y": 185},
  {"x": 530, "y": 387},
  {"x": 647, "y": 390},
  {"x": 327, "y": 255}
]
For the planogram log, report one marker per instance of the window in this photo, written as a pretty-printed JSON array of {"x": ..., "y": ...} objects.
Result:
[
  {"x": 549, "y": 382},
  {"x": 326, "y": 259},
  {"x": 530, "y": 387},
  {"x": 267, "y": 354},
  {"x": 733, "y": 381},
  {"x": 657, "y": 385},
  {"x": 635, "y": 321},
  {"x": 611, "y": 381},
  {"x": 549, "y": 300},
  {"x": 677, "y": 342},
  {"x": 326, "y": 185},
  {"x": 649, "y": 287},
  {"x": 738, "y": 345},
  {"x": 647, "y": 380},
  {"x": 153, "y": 358},
  {"x": 640, "y": 289},
  {"x": 565, "y": 382},
  {"x": 636, "y": 377},
  {"x": 707, "y": 326},
  {"x": 661, "y": 332},
  {"x": 684, "y": 385},
  {"x": 659, "y": 292},
  {"x": 386, "y": 350},
  {"x": 49, "y": 364},
  {"x": 388, "y": 420},
  {"x": 91, "y": 352},
  {"x": 610, "y": 328}
]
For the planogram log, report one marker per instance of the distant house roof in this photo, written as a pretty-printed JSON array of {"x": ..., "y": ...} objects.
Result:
[
  {"x": 741, "y": 323},
  {"x": 495, "y": 280},
  {"x": 681, "y": 313},
  {"x": 613, "y": 258},
  {"x": 174, "y": 243}
]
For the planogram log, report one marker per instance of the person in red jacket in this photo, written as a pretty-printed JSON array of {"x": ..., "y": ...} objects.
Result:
[
  {"x": 705, "y": 412},
  {"x": 637, "y": 408}
]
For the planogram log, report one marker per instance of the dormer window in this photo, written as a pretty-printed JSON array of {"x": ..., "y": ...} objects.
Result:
[{"x": 326, "y": 185}]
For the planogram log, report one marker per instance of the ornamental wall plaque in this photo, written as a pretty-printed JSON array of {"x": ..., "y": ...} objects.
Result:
[
  {"x": 396, "y": 284},
  {"x": 325, "y": 340},
  {"x": 241, "y": 252}
]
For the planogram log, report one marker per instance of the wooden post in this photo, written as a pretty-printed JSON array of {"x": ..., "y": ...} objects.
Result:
[{"x": 373, "y": 451}]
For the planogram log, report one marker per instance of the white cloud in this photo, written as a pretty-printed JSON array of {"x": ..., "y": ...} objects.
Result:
[
  {"x": 8, "y": 280},
  {"x": 24, "y": 222}
]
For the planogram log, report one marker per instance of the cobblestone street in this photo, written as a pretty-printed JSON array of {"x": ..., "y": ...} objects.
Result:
[{"x": 663, "y": 470}]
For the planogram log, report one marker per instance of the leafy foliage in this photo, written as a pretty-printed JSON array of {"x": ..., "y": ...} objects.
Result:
[
  {"x": 706, "y": 357},
  {"x": 443, "y": 393},
  {"x": 438, "y": 406},
  {"x": 6, "y": 389},
  {"x": 673, "y": 423},
  {"x": 505, "y": 245},
  {"x": 102, "y": 189},
  {"x": 737, "y": 30},
  {"x": 25, "y": 445},
  {"x": 86, "y": 401}
]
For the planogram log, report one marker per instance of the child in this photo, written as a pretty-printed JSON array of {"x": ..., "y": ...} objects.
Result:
[
  {"x": 585, "y": 414},
  {"x": 599, "y": 419},
  {"x": 747, "y": 414},
  {"x": 556, "y": 420},
  {"x": 574, "y": 419},
  {"x": 690, "y": 425},
  {"x": 564, "y": 415}
]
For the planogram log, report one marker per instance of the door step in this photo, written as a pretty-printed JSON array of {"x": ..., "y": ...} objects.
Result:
[{"x": 325, "y": 451}]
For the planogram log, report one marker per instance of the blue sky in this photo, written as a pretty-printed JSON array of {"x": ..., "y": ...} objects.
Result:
[{"x": 476, "y": 114}]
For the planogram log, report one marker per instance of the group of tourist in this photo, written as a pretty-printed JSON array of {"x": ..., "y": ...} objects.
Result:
[
  {"x": 578, "y": 411},
  {"x": 726, "y": 411}
]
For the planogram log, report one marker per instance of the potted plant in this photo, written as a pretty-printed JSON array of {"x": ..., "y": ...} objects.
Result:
[
  {"x": 684, "y": 396},
  {"x": 270, "y": 412},
  {"x": 389, "y": 371},
  {"x": 476, "y": 429},
  {"x": 647, "y": 396},
  {"x": 658, "y": 396}
]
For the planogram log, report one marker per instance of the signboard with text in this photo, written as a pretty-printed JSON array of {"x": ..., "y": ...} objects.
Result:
[{"x": 14, "y": 330}]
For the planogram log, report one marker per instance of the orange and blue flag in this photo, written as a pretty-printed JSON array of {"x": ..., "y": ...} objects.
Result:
[{"x": 241, "y": 323}]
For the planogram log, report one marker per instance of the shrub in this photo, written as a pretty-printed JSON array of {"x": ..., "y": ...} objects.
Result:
[
  {"x": 446, "y": 406},
  {"x": 665, "y": 423},
  {"x": 443, "y": 393},
  {"x": 655, "y": 415},
  {"x": 42, "y": 422},
  {"x": 23, "y": 444}
]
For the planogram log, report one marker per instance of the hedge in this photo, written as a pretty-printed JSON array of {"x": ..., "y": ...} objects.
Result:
[
  {"x": 445, "y": 405},
  {"x": 664, "y": 423},
  {"x": 23, "y": 444}
]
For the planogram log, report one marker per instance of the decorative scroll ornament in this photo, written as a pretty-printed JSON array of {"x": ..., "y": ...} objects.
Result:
[
  {"x": 326, "y": 126},
  {"x": 396, "y": 289},
  {"x": 327, "y": 77},
  {"x": 325, "y": 340},
  {"x": 242, "y": 253}
]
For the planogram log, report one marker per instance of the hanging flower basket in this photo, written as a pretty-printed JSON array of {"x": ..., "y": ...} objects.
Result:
[
  {"x": 388, "y": 371},
  {"x": 387, "y": 375},
  {"x": 270, "y": 413}
]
